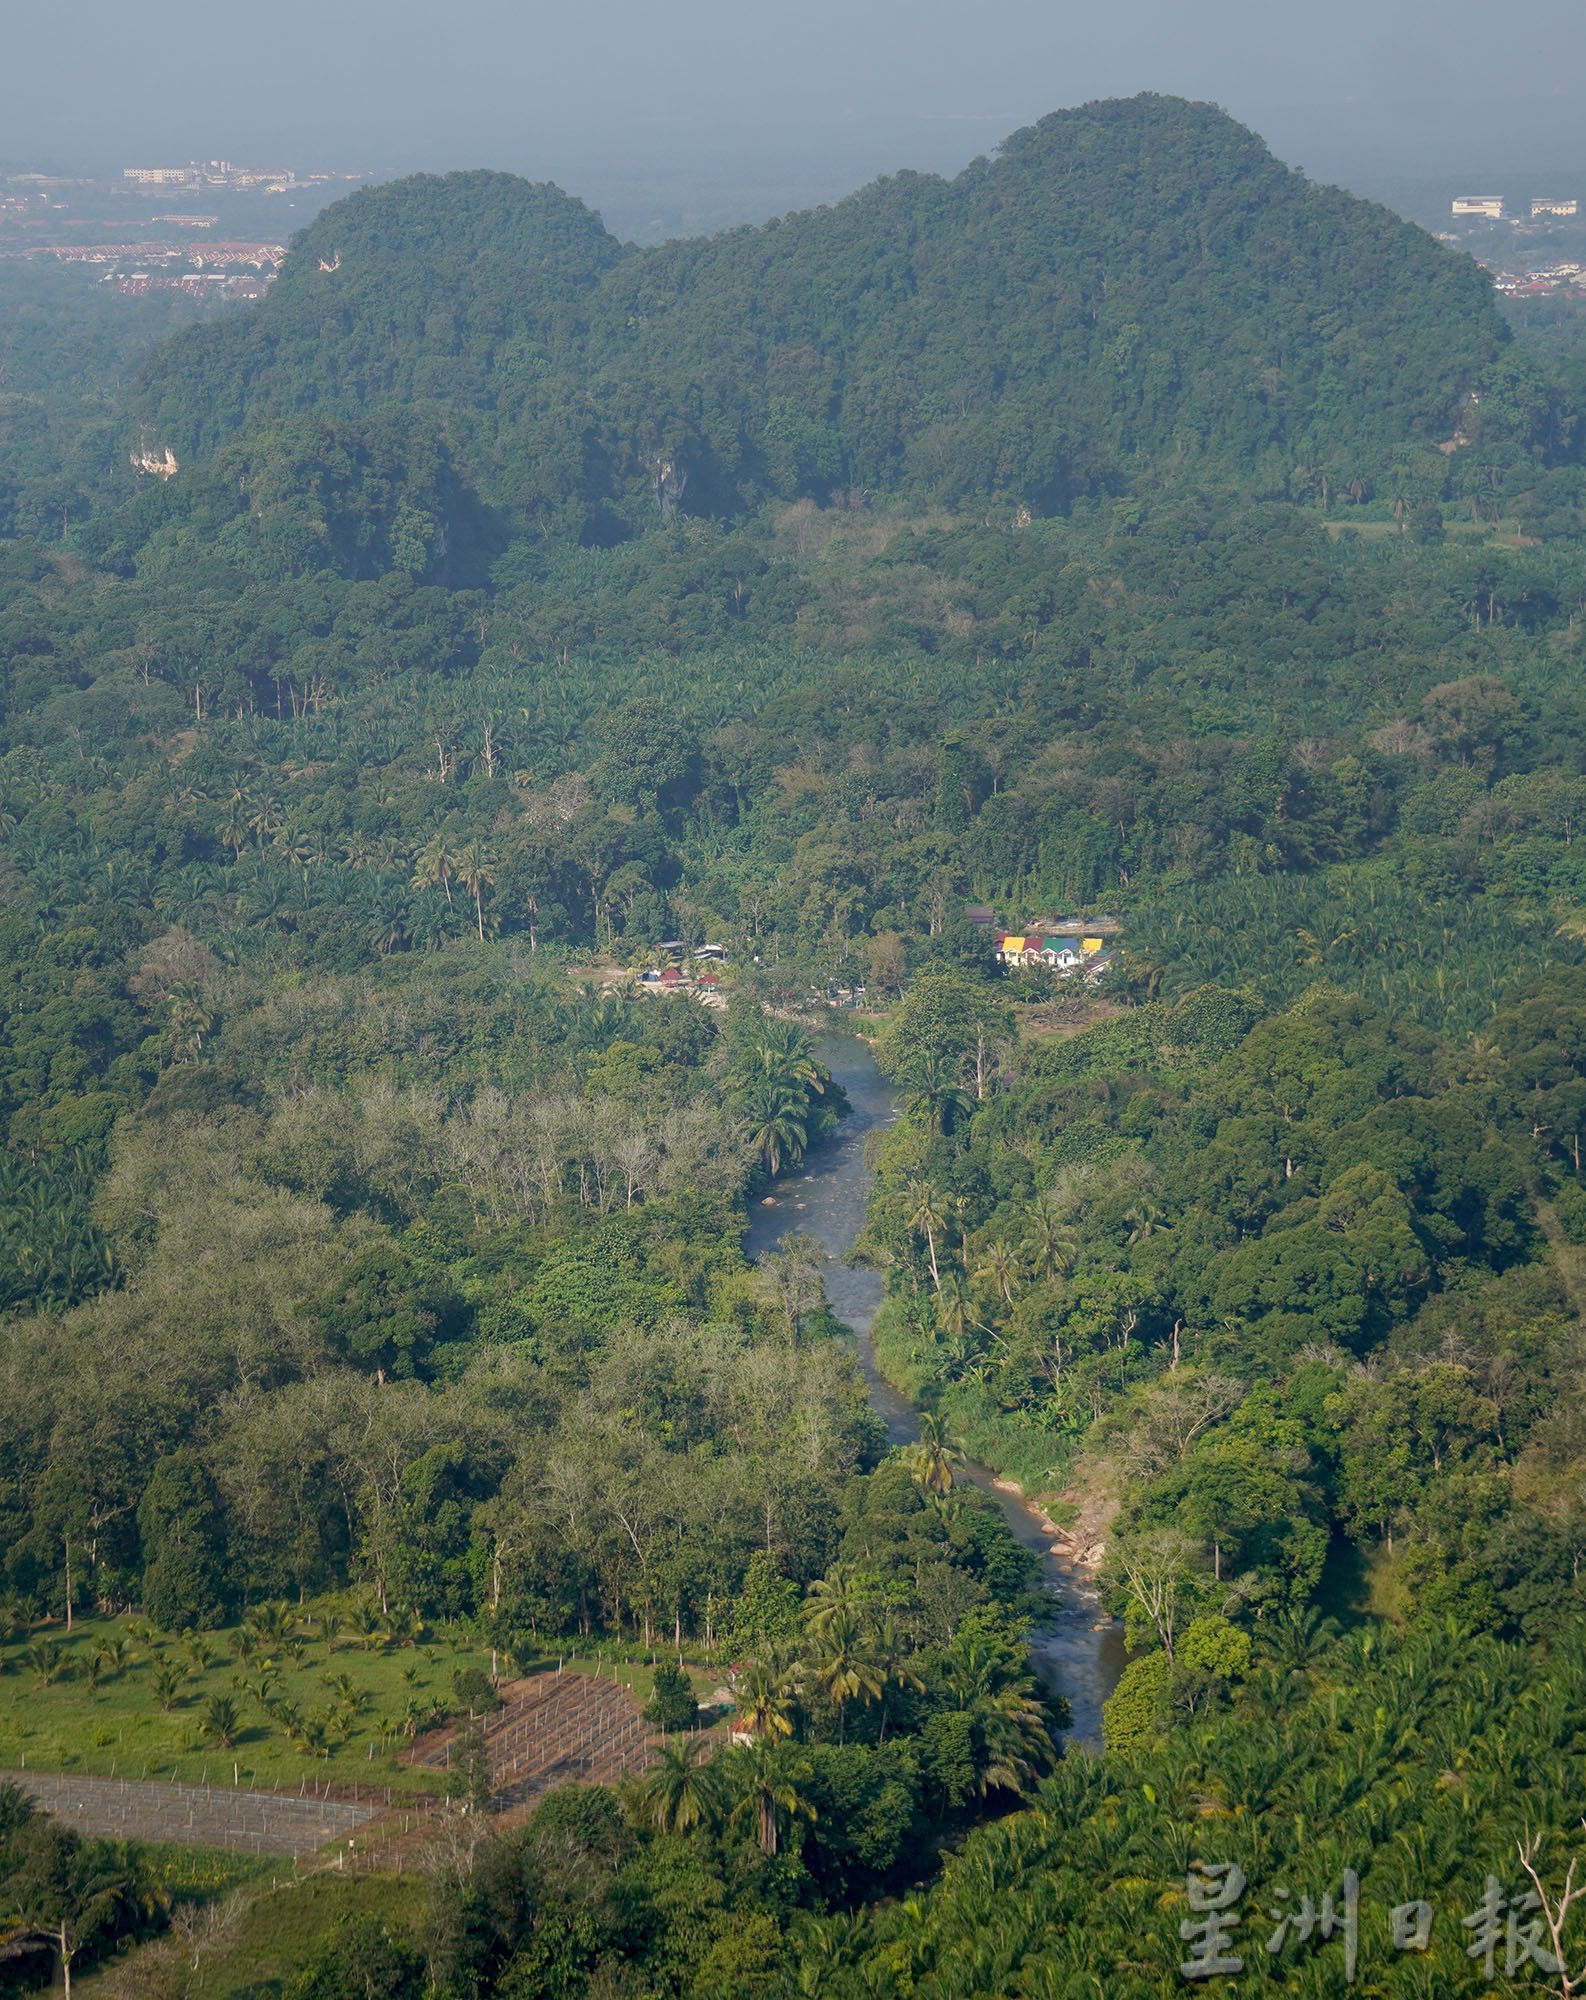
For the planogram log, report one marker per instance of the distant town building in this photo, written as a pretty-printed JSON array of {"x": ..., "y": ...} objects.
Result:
[
  {"x": 211, "y": 173},
  {"x": 1554, "y": 207},
  {"x": 1489, "y": 205}
]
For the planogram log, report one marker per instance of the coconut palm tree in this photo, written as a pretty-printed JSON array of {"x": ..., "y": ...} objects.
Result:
[
  {"x": 1049, "y": 1247},
  {"x": 434, "y": 865},
  {"x": 1015, "y": 1746},
  {"x": 263, "y": 1687},
  {"x": 765, "y": 1700},
  {"x": 926, "y": 1217},
  {"x": 845, "y": 1669},
  {"x": 934, "y": 1456},
  {"x": 477, "y": 869},
  {"x": 1001, "y": 1266},
  {"x": 682, "y": 1791},
  {"x": 69, "y": 1892},
  {"x": 274, "y": 1626},
  {"x": 891, "y": 1654},
  {"x": 349, "y": 1695},
  {"x": 938, "y": 1099},
  {"x": 843, "y": 1592},
  {"x": 366, "y": 1625},
  {"x": 200, "y": 1654},
  {"x": 114, "y": 1656},
  {"x": 952, "y": 1307},
  {"x": 47, "y": 1658}
]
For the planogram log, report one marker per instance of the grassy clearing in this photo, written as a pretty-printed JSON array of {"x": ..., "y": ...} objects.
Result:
[
  {"x": 117, "y": 1723},
  {"x": 255, "y": 1944}
]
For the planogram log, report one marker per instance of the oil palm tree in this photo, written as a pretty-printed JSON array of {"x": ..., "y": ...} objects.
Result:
[
  {"x": 777, "y": 1119},
  {"x": 169, "y": 1681},
  {"x": 221, "y": 1722},
  {"x": 265, "y": 819},
  {"x": 769, "y": 1780},
  {"x": 233, "y": 829}
]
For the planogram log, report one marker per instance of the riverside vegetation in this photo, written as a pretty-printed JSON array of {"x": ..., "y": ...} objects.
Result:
[{"x": 1126, "y": 527}]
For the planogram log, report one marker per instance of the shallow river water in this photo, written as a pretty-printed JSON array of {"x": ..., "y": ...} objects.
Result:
[{"x": 1079, "y": 1651}]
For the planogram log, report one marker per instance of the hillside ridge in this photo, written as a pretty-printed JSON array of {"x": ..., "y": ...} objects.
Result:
[{"x": 1135, "y": 288}]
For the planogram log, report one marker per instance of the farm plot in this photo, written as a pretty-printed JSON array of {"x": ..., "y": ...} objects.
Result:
[{"x": 556, "y": 1729}]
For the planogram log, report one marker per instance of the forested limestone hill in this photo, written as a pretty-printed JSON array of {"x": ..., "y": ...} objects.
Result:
[{"x": 1130, "y": 289}]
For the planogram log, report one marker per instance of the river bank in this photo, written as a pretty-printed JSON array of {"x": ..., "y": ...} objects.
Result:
[{"x": 1078, "y": 1652}]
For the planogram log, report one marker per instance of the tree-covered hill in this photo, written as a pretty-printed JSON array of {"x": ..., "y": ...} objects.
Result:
[{"x": 1133, "y": 289}]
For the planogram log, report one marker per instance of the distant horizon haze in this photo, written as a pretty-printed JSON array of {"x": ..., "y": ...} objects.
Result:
[{"x": 826, "y": 97}]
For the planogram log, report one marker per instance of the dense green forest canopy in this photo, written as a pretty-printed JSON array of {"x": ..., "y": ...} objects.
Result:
[
  {"x": 1126, "y": 529},
  {"x": 1130, "y": 288},
  {"x": 69, "y": 351}
]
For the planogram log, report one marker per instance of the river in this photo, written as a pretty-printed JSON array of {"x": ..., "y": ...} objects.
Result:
[{"x": 1078, "y": 1651}]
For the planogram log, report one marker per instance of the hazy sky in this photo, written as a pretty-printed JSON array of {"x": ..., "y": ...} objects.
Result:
[{"x": 669, "y": 85}]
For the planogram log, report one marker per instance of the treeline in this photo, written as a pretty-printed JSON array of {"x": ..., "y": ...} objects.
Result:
[
  {"x": 1103, "y": 718},
  {"x": 1207, "y": 312},
  {"x": 398, "y": 1262}
]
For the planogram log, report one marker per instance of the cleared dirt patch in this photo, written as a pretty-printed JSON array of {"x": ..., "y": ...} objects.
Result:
[{"x": 244, "y": 1821}]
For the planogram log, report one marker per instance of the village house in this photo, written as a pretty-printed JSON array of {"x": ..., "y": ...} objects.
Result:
[{"x": 1062, "y": 954}]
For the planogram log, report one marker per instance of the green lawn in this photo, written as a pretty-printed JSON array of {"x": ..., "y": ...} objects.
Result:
[{"x": 121, "y": 1726}]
